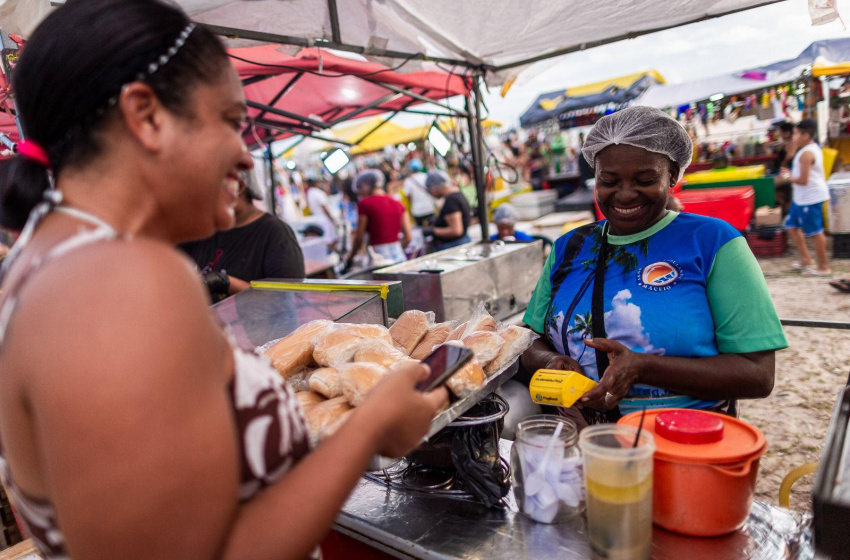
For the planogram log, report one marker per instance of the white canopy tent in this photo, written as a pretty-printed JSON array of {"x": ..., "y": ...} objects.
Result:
[
  {"x": 501, "y": 37},
  {"x": 663, "y": 96}
]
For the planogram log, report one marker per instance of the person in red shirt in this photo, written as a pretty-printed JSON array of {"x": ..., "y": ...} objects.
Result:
[{"x": 380, "y": 216}]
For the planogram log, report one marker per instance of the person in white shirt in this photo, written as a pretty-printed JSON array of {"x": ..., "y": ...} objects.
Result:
[
  {"x": 321, "y": 208},
  {"x": 805, "y": 219},
  {"x": 422, "y": 205}
]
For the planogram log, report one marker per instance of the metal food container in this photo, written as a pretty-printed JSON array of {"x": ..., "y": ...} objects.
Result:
[
  {"x": 839, "y": 203},
  {"x": 277, "y": 307},
  {"x": 453, "y": 282}
]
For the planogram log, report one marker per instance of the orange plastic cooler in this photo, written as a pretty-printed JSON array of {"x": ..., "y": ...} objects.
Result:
[{"x": 735, "y": 205}]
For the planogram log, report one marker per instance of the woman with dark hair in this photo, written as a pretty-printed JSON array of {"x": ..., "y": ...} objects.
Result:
[
  {"x": 131, "y": 427},
  {"x": 664, "y": 310}
]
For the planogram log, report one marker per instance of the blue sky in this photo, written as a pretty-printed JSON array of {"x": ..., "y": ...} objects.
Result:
[{"x": 739, "y": 41}]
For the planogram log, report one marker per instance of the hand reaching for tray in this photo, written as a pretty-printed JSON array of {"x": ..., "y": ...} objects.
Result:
[{"x": 402, "y": 413}]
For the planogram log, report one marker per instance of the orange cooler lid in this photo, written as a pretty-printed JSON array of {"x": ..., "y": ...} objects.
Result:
[{"x": 698, "y": 436}]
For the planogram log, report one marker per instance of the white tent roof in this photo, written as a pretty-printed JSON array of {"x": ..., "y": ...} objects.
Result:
[
  {"x": 499, "y": 35},
  {"x": 663, "y": 96}
]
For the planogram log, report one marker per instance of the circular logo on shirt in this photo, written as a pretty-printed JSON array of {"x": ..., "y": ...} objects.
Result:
[{"x": 659, "y": 276}]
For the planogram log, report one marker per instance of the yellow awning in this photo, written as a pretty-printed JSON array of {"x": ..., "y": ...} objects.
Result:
[
  {"x": 389, "y": 134},
  {"x": 622, "y": 82},
  {"x": 820, "y": 69}
]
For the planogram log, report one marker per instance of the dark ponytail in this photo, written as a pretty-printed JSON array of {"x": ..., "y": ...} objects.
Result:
[{"x": 71, "y": 72}]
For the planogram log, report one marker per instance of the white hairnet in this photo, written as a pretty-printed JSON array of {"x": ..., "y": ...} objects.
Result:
[
  {"x": 504, "y": 214},
  {"x": 643, "y": 127},
  {"x": 368, "y": 180}
]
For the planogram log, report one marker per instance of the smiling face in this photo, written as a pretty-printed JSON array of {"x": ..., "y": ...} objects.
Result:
[
  {"x": 204, "y": 155},
  {"x": 632, "y": 187}
]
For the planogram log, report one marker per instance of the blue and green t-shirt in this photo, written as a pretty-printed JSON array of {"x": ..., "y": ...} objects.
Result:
[{"x": 689, "y": 286}]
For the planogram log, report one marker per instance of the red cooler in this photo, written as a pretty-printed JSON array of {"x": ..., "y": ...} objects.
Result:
[{"x": 735, "y": 205}]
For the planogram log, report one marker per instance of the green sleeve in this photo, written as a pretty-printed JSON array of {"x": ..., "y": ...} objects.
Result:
[
  {"x": 745, "y": 319},
  {"x": 535, "y": 315}
]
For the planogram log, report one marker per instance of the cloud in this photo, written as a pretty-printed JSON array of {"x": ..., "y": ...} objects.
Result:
[{"x": 623, "y": 323}]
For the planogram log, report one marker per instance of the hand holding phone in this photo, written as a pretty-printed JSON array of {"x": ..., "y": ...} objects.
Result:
[{"x": 444, "y": 361}]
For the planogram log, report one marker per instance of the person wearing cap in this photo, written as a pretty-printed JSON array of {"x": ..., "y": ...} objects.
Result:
[
  {"x": 421, "y": 203},
  {"x": 504, "y": 216},
  {"x": 380, "y": 216},
  {"x": 258, "y": 246},
  {"x": 663, "y": 309},
  {"x": 449, "y": 227}
]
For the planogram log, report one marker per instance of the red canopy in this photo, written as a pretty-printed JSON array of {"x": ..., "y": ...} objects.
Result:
[{"x": 317, "y": 88}]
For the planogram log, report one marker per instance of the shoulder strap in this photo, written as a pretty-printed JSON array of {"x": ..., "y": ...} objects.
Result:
[
  {"x": 571, "y": 251},
  {"x": 597, "y": 316}
]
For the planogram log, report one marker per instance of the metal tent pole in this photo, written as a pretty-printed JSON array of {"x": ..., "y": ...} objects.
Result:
[
  {"x": 270, "y": 205},
  {"x": 473, "y": 109}
]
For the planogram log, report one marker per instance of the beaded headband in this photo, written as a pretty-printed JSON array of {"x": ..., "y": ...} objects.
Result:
[{"x": 154, "y": 66}]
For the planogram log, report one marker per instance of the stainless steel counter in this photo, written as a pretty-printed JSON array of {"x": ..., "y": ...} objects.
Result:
[
  {"x": 453, "y": 282},
  {"x": 416, "y": 525}
]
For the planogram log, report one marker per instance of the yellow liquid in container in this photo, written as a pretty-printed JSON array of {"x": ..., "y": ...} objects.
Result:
[{"x": 554, "y": 387}]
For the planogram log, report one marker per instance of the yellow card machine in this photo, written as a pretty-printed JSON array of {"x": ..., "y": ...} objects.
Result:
[{"x": 554, "y": 387}]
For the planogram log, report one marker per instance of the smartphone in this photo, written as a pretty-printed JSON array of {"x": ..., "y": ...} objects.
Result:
[{"x": 444, "y": 362}]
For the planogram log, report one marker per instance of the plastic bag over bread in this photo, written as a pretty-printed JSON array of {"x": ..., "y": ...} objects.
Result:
[
  {"x": 356, "y": 380},
  {"x": 323, "y": 415},
  {"x": 467, "y": 380},
  {"x": 409, "y": 329},
  {"x": 516, "y": 341},
  {"x": 295, "y": 351},
  {"x": 457, "y": 333},
  {"x": 435, "y": 336},
  {"x": 481, "y": 321},
  {"x": 300, "y": 380},
  {"x": 485, "y": 345},
  {"x": 326, "y": 382},
  {"x": 338, "y": 344},
  {"x": 379, "y": 352}
]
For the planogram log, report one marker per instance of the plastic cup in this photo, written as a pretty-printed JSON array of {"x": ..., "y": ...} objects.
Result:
[{"x": 618, "y": 479}]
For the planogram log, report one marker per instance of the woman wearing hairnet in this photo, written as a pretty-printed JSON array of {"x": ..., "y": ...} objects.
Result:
[
  {"x": 663, "y": 309},
  {"x": 381, "y": 216},
  {"x": 449, "y": 227}
]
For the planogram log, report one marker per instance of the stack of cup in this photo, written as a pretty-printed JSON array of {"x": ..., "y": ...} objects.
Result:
[{"x": 546, "y": 469}]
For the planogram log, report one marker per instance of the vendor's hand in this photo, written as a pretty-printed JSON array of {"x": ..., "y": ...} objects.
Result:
[
  {"x": 401, "y": 413},
  {"x": 427, "y": 232},
  {"x": 563, "y": 363},
  {"x": 785, "y": 173},
  {"x": 617, "y": 380}
]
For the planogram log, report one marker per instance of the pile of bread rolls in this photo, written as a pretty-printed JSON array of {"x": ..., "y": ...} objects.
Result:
[{"x": 333, "y": 366}]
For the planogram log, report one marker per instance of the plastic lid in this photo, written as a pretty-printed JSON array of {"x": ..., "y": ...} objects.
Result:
[
  {"x": 738, "y": 440},
  {"x": 689, "y": 426}
]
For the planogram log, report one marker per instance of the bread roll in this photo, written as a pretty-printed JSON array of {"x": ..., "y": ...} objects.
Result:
[
  {"x": 409, "y": 329},
  {"x": 379, "y": 352},
  {"x": 516, "y": 341},
  {"x": 308, "y": 399},
  {"x": 457, "y": 333},
  {"x": 323, "y": 415},
  {"x": 485, "y": 345},
  {"x": 339, "y": 344},
  {"x": 357, "y": 379},
  {"x": 331, "y": 428},
  {"x": 402, "y": 363},
  {"x": 326, "y": 382},
  {"x": 295, "y": 351},
  {"x": 469, "y": 379},
  {"x": 435, "y": 336}
]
